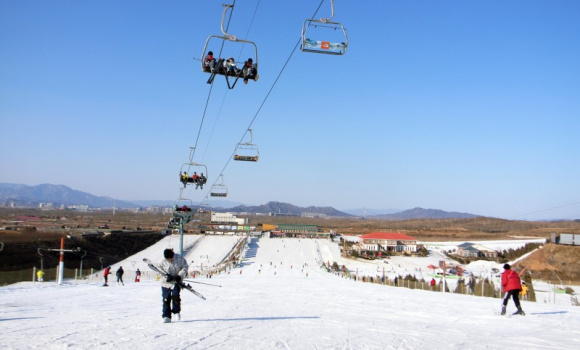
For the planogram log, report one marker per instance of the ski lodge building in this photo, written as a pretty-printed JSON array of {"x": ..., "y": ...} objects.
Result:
[
  {"x": 390, "y": 242},
  {"x": 471, "y": 250}
]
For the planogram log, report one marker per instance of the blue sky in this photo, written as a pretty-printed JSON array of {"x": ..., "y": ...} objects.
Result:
[{"x": 470, "y": 106}]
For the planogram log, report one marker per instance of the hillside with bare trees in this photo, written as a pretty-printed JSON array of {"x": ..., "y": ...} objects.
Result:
[{"x": 25, "y": 230}]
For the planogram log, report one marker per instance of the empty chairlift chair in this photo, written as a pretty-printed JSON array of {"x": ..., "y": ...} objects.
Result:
[
  {"x": 247, "y": 151},
  {"x": 324, "y": 36},
  {"x": 219, "y": 189}
]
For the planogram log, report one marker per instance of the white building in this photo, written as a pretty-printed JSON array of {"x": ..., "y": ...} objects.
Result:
[{"x": 227, "y": 218}]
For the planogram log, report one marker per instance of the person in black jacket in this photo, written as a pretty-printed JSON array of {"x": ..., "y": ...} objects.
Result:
[{"x": 119, "y": 274}]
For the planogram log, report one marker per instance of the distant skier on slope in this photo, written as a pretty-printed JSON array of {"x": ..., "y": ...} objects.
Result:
[
  {"x": 106, "y": 274},
  {"x": 524, "y": 292},
  {"x": 119, "y": 275},
  {"x": 176, "y": 267},
  {"x": 40, "y": 276},
  {"x": 511, "y": 286}
]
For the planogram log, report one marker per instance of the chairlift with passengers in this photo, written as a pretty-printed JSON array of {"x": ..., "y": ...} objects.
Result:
[
  {"x": 193, "y": 173},
  {"x": 247, "y": 151},
  {"x": 334, "y": 33},
  {"x": 183, "y": 209},
  {"x": 219, "y": 190},
  {"x": 228, "y": 67}
]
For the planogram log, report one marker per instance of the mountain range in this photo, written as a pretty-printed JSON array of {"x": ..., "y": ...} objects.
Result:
[
  {"x": 278, "y": 208},
  {"x": 420, "y": 213},
  {"x": 31, "y": 196}
]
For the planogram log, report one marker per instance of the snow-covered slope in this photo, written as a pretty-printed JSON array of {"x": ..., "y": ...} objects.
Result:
[
  {"x": 278, "y": 299},
  {"x": 200, "y": 252}
]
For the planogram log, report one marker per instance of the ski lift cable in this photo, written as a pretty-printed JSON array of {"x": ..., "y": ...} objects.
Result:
[
  {"x": 542, "y": 210},
  {"x": 274, "y": 84},
  {"x": 214, "y": 125},
  {"x": 264, "y": 100},
  {"x": 231, "y": 7},
  {"x": 211, "y": 87},
  {"x": 226, "y": 92},
  {"x": 192, "y": 152},
  {"x": 249, "y": 28},
  {"x": 275, "y": 81}
]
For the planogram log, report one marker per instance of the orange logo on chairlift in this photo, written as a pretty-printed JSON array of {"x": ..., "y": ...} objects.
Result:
[{"x": 325, "y": 45}]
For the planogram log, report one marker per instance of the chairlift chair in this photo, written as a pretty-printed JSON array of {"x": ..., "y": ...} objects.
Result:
[
  {"x": 247, "y": 151},
  {"x": 193, "y": 168},
  {"x": 220, "y": 65},
  {"x": 183, "y": 209},
  {"x": 204, "y": 207},
  {"x": 219, "y": 190},
  {"x": 335, "y": 43}
]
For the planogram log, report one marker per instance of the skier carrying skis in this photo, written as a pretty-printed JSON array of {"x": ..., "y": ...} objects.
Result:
[
  {"x": 176, "y": 268},
  {"x": 511, "y": 286}
]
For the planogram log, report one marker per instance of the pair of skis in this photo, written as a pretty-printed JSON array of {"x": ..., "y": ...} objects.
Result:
[{"x": 153, "y": 267}]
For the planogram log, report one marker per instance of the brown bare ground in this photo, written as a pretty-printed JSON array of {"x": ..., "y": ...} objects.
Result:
[
  {"x": 564, "y": 260},
  {"x": 437, "y": 229},
  {"x": 554, "y": 263}
]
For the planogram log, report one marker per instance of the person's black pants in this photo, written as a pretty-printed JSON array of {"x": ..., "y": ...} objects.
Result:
[
  {"x": 171, "y": 300},
  {"x": 515, "y": 295}
]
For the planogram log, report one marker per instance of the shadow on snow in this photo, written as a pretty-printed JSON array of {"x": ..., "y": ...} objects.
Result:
[{"x": 255, "y": 319}]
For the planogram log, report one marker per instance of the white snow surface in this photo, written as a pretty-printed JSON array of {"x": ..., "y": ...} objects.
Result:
[{"x": 279, "y": 298}]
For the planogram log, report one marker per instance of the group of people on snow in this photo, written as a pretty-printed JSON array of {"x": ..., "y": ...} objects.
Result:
[
  {"x": 119, "y": 273},
  {"x": 176, "y": 267}
]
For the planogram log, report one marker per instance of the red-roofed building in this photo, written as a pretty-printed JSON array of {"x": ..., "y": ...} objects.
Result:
[{"x": 392, "y": 242}]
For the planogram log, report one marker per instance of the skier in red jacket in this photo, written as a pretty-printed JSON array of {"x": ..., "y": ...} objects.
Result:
[
  {"x": 511, "y": 286},
  {"x": 106, "y": 273}
]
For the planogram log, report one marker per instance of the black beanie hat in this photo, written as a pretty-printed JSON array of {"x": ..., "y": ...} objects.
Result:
[
  {"x": 506, "y": 266},
  {"x": 168, "y": 253}
]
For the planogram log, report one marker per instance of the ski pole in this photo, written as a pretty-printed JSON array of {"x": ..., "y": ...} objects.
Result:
[{"x": 207, "y": 284}]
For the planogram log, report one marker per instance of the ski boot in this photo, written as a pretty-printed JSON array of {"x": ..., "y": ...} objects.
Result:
[
  {"x": 520, "y": 311},
  {"x": 503, "y": 310},
  {"x": 166, "y": 320}
]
